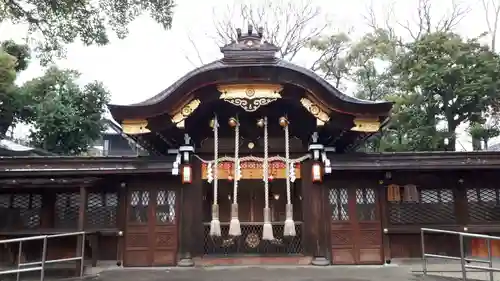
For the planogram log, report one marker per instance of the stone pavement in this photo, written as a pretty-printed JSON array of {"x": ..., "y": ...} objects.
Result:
[
  {"x": 267, "y": 273},
  {"x": 398, "y": 271}
]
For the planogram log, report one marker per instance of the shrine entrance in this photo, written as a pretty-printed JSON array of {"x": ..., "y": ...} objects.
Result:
[
  {"x": 151, "y": 231},
  {"x": 356, "y": 234},
  {"x": 251, "y": 200}
]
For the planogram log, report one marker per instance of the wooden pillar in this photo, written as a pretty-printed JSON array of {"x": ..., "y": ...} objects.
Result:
[
  {"x": 384, "y": 218},
  {"x": 48, "y": 209},
  {"x": 81, "y": 227},
  {"x": 188, "y": 238},
  {"x": 308, "y": 235},
  {"x": 459, "y": 189},
  {"x": 196, "y": 202},
  {"x": 314, "y": 239},
  {"x": 121, "y": 221}
]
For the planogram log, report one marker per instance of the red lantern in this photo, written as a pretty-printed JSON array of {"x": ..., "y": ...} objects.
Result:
[
  {"x": 271, "y": 178},
  {"x": 187, "y": 174},
  {"x": 316, "y": 172},
  {"x": 230, "y": 178}
]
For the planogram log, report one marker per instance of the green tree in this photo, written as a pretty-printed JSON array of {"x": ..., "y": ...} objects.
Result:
[
  {"x": 53, "y": 24},
  {"x": 484, "y": 131},
  {"x": 332, "y": 52},
  {"x": 13, "y": 59},
  {"x": 455, "y": 78},
  {"x": 67, "y": 118}
]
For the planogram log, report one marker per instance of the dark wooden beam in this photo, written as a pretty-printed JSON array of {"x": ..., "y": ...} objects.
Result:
[
  {"x": 415, "y": 160},
  {"x": 81, "y": 166},
  {"x": 48, "y": 182}
]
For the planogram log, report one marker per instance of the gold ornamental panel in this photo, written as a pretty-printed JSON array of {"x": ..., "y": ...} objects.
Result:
[
  {"x": 185, "y": 112},
  {"x": 366, "y": 125},
  {"x": 321, "y": 116},
  {"x": 135, "y": 127},
  {"x": 250, "y": 97},
  {"x": 251, "y": 170}
]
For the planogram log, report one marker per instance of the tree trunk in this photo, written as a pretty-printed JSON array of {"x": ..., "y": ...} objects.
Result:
[
  {"x": 476, "y": 144},
  {"x": 452, "y": 138}
]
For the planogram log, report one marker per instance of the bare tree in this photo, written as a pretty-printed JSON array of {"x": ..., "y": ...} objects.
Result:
[
  {"x": 426, "y": 21},
  {"x": 491, "y": 14},
  {"x": 289, "y": 24},
  {"x": 426, "y": 24}
]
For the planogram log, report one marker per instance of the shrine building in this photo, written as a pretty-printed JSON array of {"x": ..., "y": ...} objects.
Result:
[{"x": 250, "y": 156}]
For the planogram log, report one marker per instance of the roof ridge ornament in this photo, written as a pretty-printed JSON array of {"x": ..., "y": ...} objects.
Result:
[{"x": 249, "y": 48}]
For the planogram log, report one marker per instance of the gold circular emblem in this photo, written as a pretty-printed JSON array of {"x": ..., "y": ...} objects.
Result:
[
  {"x": 314, "y": 109},
  {"x": 252, "y": 240},
  {"x": 186, "y": 111},
  {"x": 250, "y": 92}
]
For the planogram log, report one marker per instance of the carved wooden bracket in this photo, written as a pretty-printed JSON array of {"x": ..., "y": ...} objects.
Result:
[
  {"x": 185, "y": 112},
  {"x": 321, "y": 116},
  {"x": 135, "y": 127},
  {"x": 250, "y": 97},
  {"x": 366, "y": 125}
]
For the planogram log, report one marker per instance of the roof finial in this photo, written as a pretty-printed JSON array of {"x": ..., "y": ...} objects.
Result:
[
  {"x": 238, "y": 33},
  {"x": 261, "y": 32},
  {"x": 250, "y": 29}
]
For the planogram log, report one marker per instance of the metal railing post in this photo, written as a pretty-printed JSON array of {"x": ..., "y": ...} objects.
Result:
[
  {"x": 424, "y": 258},
  {"x": 19, "y": 256},
  {"x": 462, "y": 258},
  {"x": 44, "y": 258},
  {"x": 41, "y": 264},
  {"x": 82, "y": 263},
  {"x": 490, "y": 257}
]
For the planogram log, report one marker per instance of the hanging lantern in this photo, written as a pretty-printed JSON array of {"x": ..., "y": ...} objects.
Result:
[
  {"x": 271, "y": 178},
  {"x": 187, "y": 174},
  {"x": 316, "y": 172},
  {"x": 230, "y": 178}
]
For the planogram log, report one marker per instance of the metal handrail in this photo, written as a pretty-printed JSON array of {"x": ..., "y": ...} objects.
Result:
[
  {"x": 40, "y": 265},
  {"x": 463, "y": 259}
]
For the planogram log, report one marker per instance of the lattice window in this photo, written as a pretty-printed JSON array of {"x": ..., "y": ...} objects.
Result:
[
  {"x": 139, "y": 202},
  {"x": 67, "y": 209},
  {"x": 339, "y": 199},
  {"x": 365, "y": 204},
  {"x": 250, "y": 242},
  {"x": 102, "y": 210},
  {"x": 20, "y": 210},
  {"x": 423, "y": 206},
  {"x": 165, "y": 206},
  {"x": 484, "y": 204}
]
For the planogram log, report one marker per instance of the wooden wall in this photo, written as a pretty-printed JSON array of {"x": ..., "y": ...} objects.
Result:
[{"x": 450, "y": 200}]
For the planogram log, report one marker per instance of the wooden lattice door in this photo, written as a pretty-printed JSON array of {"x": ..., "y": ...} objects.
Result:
[
  {"x": 356, "y": 236},
  {"x": 151, "y": 234}
]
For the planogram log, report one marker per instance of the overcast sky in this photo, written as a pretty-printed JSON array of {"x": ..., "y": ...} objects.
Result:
[{"x": 150, "y": 58}]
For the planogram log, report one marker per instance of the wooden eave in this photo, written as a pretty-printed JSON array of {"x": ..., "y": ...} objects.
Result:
[
  {"x": 81, "y": 166},
  {"x": 439, "y": 160},
  {"x": 58, "y": 166},
  {"x": 218, "y": 72},
  {"x": 49, "y": 182}
]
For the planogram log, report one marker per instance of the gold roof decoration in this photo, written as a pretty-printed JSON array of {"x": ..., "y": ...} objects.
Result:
[
  {"x": 185, "y": 112},
  {"x": 135, "y": 127},
  {"x": 250, "y": 97},
  {"x": 366, "y": 125},
  {"x": 321, "y": 116}
]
